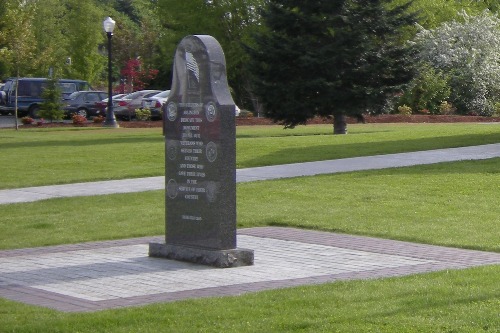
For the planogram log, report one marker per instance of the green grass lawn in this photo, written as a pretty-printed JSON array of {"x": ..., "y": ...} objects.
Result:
[
  {"x": 451, "y": 301},
  {"x": 59, "y": 156},
  {"x": 453, "y": 204}
]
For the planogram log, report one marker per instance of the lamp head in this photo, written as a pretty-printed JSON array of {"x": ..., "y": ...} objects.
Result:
[{"x": 109, "y": 25}]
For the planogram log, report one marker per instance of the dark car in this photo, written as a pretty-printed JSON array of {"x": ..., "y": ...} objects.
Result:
[
  {"x": 84, "y": 103},
  {"x": 29, "y": 94}
]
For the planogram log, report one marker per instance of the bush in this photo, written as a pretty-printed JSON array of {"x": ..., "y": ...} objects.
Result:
[
  {"x": 446, "y": 108},
  {"x": 405, "y": 110},
  {"x": 98, "y": 119},
  {"x": 27, "y": 120},
  {"x": 78, "y": 120},
  {"x": 246, "y": 114},
  {"x": 466, "y": 51},
  {"x": 143, "y": 114},
  {"x": 427, "y": 90},
  {"x": 497, "y": 110}
]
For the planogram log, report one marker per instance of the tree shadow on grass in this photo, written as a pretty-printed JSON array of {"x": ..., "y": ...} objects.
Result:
[
  {"x": 81, "y": 143},
  {"x": 331, "y": 152}
]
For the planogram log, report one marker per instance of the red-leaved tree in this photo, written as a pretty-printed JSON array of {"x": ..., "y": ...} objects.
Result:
[{"x": 135, "y": 77}]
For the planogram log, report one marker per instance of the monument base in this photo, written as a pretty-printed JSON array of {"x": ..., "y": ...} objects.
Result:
[{"x": 217, "y": 258}]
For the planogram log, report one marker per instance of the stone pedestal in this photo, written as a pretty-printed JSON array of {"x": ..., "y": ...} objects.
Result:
[{"x": 217, "y": 258}]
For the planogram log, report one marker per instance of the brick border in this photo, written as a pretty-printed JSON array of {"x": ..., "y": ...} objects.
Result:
[{"x": 444, "y": 257}]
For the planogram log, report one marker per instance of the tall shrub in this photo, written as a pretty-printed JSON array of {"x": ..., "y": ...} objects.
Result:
[
  {"x": 466, "y": 51},
  {"x": 51, "y": 108},
  {"x": 427, "y": 90}
]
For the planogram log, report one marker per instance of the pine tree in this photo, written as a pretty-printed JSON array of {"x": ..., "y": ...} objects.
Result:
[
  {"x": 51, "y": 108},
  {"x": 329, "y": 58}
]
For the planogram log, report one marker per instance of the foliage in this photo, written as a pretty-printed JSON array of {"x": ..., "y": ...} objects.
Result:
[
  {"x": 51, "y": 107},
  {"x": 27, "y": 120},
  {"x": 405, "y": 110},
  {"x": 466, "y": 52},
  {"x": 329, "y": 58},
  {"x": 143, "y": 114},
  {"x": 86, "y": 63},
  {"x": 246, "y": 114},
  {"x": 135, "y": 76},
  {"x": 427, "y": 90},
  {"x": 51, "y": 38},
  {"x": 433, "y": 13},
  {"x": 98, "y": 119},
  {"x": 230, "y": 22},
  {"x": 38, "y": 36},
  {"x": 18, "y": 37},
  {"x": 78, "y": 120},
  {"x": 447, "y": 108}
]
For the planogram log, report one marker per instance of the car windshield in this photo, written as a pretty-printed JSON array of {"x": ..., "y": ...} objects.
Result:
[
  {"x": 73, "y": 95},
  {"x": 133, "y": 95},
  {"x": 67, "y": 88},
  {"x": 163, "y": 94}
]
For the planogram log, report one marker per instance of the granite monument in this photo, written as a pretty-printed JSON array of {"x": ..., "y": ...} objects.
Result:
[{"x": 200, "y": 160}]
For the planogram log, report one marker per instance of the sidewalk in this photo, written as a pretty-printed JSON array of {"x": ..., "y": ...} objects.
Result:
[{"x": 260, "y": 173}]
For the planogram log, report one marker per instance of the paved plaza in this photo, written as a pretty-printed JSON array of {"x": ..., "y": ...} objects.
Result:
[{"x": 115, "y": 274}]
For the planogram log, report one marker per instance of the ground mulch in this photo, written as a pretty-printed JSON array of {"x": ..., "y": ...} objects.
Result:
[{"x": 317, "y": 120}]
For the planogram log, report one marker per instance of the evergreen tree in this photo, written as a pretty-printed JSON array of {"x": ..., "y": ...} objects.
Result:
[
  {"x": 329, "y": 58},
  {"x": 51, "y": 107}
]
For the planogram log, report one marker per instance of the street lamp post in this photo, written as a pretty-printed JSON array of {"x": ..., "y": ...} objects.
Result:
[{"x": 109, "y": 26}]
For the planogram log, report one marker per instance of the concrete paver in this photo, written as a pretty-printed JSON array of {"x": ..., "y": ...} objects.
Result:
[{"x": 102, "y": 275}]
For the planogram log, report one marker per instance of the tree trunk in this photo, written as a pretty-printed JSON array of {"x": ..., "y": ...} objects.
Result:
[{"x": 339, "y": 124}]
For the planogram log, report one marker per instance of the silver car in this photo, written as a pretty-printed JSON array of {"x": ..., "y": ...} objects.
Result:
[
  {"x": 124, "y": 107},
  {"x": 154, "y": 104}
]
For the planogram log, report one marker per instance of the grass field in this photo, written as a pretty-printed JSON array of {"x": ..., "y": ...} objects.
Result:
[
  {"x": 49, "y": 156},
  {"x": 453, "y": 204}
]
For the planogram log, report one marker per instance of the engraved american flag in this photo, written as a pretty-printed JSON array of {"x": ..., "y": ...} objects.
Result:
[{"x": 192, "y": 65}]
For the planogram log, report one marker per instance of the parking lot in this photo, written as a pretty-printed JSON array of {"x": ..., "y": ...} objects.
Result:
[{"x": 7, "y": 121}]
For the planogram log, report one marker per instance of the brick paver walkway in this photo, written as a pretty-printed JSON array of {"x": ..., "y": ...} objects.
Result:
[{"x": 113, "y": 274}]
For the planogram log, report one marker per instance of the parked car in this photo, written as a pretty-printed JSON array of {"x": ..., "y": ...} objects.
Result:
[
  {"x": 154, "y": 104},
  {"x": 29, "y": 94},
  {"x": 102, "y": 105},
  {"x": 124, "y": 108},
  {"x": 84, "y": 103}
]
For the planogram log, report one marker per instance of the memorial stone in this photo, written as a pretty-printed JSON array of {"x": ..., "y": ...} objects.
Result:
[{"x": 200, "y": 160}]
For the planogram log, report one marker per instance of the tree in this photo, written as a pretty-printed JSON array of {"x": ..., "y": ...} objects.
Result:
[
  {"x": 329, "y": 58},
  {"x": 229, "y": 21},
  {"x": 18, "y": 37},
  {"x": 136, "y": 77},
  {"x": 433, "y": 13},
  {"x": 50, "y": 48},
  {"x": 84, "y": 35},
  {"x": 467, "y": 51},
  {"x": 51, "y": 107}
]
